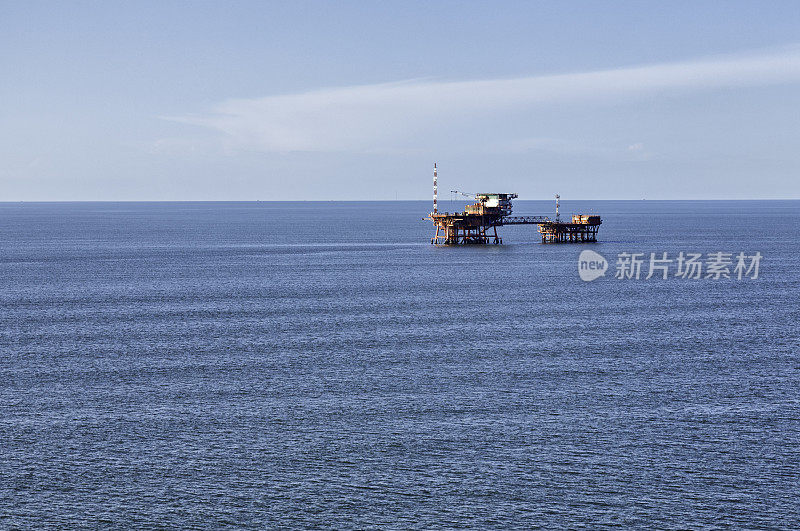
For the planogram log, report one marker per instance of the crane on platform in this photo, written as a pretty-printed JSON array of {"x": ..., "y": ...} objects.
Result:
[{"x": 471, "y": 196}]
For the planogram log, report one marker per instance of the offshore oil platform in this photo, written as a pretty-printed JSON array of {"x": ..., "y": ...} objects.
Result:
[{"x": 478, "y": 223}]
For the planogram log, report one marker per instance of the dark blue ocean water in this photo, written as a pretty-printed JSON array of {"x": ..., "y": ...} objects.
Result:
[{"x": 321, "y": 364}]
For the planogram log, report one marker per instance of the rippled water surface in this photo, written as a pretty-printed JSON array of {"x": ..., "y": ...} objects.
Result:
[{"x": 321, "y": 364}]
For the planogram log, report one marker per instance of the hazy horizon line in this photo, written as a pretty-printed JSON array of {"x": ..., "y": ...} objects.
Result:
[{"x": 563, "y": 200}]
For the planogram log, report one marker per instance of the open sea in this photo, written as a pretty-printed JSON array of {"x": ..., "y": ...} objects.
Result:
[{"x": 320, "y": 364}]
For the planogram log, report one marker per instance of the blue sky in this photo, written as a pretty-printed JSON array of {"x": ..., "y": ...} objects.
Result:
[{"x": 356, "y": 100}]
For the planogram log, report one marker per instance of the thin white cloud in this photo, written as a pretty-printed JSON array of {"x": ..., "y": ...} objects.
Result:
[
  {"x": 383, "y": 116},
  {"x": 558, "y": 146}
]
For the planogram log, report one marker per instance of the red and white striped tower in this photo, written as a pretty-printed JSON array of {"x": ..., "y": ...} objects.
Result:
[
  {"x": 558, "y": 204},
  {"x": 435, "y": 190}
]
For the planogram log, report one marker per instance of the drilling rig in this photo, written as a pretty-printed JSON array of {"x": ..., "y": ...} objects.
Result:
[{"x": 477, "y": 223}]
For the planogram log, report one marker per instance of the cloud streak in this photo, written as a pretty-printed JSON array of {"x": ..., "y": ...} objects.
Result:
[{"x": 383, "y": 116}]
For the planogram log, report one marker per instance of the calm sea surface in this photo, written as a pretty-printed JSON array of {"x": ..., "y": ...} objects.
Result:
[{"x": 321, "y": 364}]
